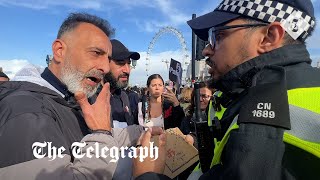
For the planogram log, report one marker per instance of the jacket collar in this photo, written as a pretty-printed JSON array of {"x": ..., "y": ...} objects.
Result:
[
  {"x": 56, "y": 83},
  {"x": 117, "y": 92},
  {"x": 239, "y": 78}
]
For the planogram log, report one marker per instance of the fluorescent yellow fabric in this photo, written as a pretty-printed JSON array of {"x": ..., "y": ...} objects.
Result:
[{"x": 307, "y": 98}]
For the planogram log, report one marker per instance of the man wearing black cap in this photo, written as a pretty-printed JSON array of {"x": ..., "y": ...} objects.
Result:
[
  {"x": 3, "y": 76},
  {"x": 122, "y": 115},
  {"x": 258, "y": 59},
  {"x": 118, "y": 77}
]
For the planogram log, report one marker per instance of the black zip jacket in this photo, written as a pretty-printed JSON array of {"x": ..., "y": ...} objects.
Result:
[
  {"x": 32, "y": 113},
  {"x": 256, "y": 150}
]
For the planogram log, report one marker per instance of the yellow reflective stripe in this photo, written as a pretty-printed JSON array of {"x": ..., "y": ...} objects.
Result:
[
  {"x": 216, "y": 142},
  {"x": 197, "y": 168},
  {"x": 220, "y": 146},
  {"x": 311, "y": 147},
  {"x": 307, "y": 98},
  {"x": 209, "y": 114},
  {"x": 219, "y": 114}
]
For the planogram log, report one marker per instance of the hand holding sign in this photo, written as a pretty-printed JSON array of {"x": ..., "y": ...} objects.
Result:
[
  {"x": 149, "y": 164},
  {"x": 180, "y": 154}
]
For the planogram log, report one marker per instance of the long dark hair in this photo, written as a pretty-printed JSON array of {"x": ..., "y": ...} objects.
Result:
[
  {"x": 147, "y": 102},
  {"x": 191, "y": 107}
]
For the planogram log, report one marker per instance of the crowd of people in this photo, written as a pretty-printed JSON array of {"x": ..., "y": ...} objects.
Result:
[{"x": 261, "y": 106}]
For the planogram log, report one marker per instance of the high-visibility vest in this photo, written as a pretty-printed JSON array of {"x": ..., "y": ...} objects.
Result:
[
  {"x": 212, "y": 112},
  {"x": 304, "y": 108}
]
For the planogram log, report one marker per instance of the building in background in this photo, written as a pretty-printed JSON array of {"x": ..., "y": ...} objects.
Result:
[{"x": 201, "y": 71}]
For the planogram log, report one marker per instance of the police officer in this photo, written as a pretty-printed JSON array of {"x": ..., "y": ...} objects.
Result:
[{"x": 259, "y": 59}]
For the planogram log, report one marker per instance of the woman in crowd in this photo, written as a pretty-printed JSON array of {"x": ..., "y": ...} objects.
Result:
[
  {"x": 187, "y": 125},
  {"x": 161, "y": 107}
]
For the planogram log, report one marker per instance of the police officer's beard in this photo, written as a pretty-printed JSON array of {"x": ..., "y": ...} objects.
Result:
[
  {"x": 243, "y": 56},
  {"x": 210, "y": 81},
  {"x": 73, "y": 78},
  {"x": 114, "y": 82}
]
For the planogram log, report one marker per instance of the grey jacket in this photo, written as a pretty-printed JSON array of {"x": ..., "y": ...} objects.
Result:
[{"x": 31, "y": 113}]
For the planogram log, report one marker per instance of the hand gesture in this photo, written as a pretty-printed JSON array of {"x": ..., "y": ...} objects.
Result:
[
  {"x": 97, "y": 115},
  {"x": 189, "y": 139},
  {"x": 151, "y": 165},
  {"x": 170, "y": 96}
]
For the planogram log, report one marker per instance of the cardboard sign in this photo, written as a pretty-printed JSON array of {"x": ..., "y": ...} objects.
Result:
[{"x": 180, "y": 154}]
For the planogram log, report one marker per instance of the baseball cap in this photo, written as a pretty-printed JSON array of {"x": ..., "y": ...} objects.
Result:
[
  {"x": 296, "y": 16},
  {"x": 120, "y": 52}
]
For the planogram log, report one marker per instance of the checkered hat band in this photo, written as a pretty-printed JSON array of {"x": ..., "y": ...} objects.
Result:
[{"x": 296, "y": 23}]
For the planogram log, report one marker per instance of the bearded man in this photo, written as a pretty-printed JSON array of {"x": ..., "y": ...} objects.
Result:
[
  {"x": 118, "y": 77},
  {"x": 52, "y": 107}
]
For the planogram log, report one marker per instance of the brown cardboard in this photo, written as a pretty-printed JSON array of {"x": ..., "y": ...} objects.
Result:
[{"x": 180, "y": 154}]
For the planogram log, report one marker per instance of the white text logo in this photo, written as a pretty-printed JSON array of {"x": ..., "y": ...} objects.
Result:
[
  {"x": 81, "y": 149},
  {"x": 264, "y": 110}
]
